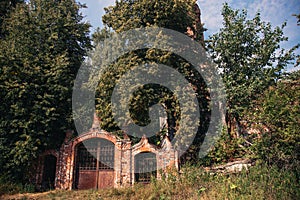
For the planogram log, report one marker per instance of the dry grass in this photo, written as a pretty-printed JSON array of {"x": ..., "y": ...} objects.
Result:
[{"x": 194, "y": 183}]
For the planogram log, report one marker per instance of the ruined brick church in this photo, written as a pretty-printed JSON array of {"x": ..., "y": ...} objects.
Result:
[{"x": 98, "y": 159}]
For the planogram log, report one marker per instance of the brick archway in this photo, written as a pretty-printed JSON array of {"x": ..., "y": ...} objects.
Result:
[
  {"x": 92, "y": 174},
  {"x": 46, "y": 168},
  {"x": 145, "y": 161},
  {"x": 145, "y": 167}
]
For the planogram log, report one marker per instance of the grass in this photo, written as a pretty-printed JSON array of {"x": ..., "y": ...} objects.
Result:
[{"x": 260, "y": 182}]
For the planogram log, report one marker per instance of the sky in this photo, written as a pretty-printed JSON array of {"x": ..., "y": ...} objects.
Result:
[{"x": 274, "y": 11}]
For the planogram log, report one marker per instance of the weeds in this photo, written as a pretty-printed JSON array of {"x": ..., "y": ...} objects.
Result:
[{"x": 259, "y": 182}]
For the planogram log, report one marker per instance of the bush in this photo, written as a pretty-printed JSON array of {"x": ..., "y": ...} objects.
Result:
[
  {"x": 7, "y": 187},
  {"x": 277, "y": 114},
  {"x": 226, "y": 148}
]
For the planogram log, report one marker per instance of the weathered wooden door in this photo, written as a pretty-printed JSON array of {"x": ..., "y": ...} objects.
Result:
[{"x": 95, "y": 164}]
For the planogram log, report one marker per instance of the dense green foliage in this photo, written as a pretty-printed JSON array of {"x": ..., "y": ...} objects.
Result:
[
  {"x": 262, "y": 103},
  {"x": 226, "y": 149},
  {"x": 43, "y": 43},
  {"x": 43, "y": 48},
  {"x": 246, "y": 52},
  {"x": 6, "y": 6},
  {"x": 277, "y": 116},
  {"x": 126, "y": 15}
]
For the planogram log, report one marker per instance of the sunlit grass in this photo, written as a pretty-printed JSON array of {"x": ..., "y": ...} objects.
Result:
[{"x": 193, "y": 183}]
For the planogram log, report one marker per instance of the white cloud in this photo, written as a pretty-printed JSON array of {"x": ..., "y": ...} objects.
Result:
[
  {"x": 274, "y": 11},
  {"x": 211, "y": 14}
]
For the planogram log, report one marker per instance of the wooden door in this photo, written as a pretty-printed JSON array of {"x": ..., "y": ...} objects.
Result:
[
  {"x": 95, "y": 163},
  {"x": 106, "y": 179}
]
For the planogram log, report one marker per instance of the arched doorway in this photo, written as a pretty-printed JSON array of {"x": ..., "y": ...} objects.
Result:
[
  {"x": 49, "y": 170},
  {"x": 94, "y": 164},
  {"x": 145, "y": 167}
]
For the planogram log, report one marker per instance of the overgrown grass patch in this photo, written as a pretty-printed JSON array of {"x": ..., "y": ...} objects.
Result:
[{"x": 260, "y": 182}]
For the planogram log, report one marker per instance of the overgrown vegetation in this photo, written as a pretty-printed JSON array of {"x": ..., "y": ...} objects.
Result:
[
  {"x": 271, "y": 132},
  {"x": 41, "y": 48},
  {"x": 127, "y": 15},
  {"x": 42, "y": 44},
  {"x": 263, "y": 102},
  {"x": 277, "y": 115},
  {"x": 194, "y": 182},
  {"x": 245, "y": 52}
]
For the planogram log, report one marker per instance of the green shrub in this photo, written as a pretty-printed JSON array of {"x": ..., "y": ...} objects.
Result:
[
  {"x": 277, "y": 115},
  {"x": 7, "y": 187},
  {"x": 226, "y": 148}
]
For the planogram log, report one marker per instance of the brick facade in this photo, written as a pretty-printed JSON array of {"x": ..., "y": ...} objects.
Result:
[{"x": 124, "y": 154}]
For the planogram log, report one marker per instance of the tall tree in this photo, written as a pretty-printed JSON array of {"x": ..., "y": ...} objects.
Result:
[
  {"x": 127, "y": 15},
  {"x": 44, "y": 47},
  {"x": 249, "y": 57}
]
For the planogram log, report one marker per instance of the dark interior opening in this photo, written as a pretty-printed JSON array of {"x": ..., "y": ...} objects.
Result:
[{"x": 49, "y": 172}]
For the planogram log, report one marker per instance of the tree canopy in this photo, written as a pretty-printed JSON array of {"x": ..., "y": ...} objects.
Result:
[
  {"x": 250, "y": 59},
  {"x": 262, "y": 106},
  {"x": 127, "y": 15}
]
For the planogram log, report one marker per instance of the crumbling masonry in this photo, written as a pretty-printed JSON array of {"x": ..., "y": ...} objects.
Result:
[{"x": 98, "y": 159}]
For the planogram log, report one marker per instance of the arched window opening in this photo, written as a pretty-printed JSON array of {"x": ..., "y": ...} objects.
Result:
[{"x": 145, "y": 167}]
